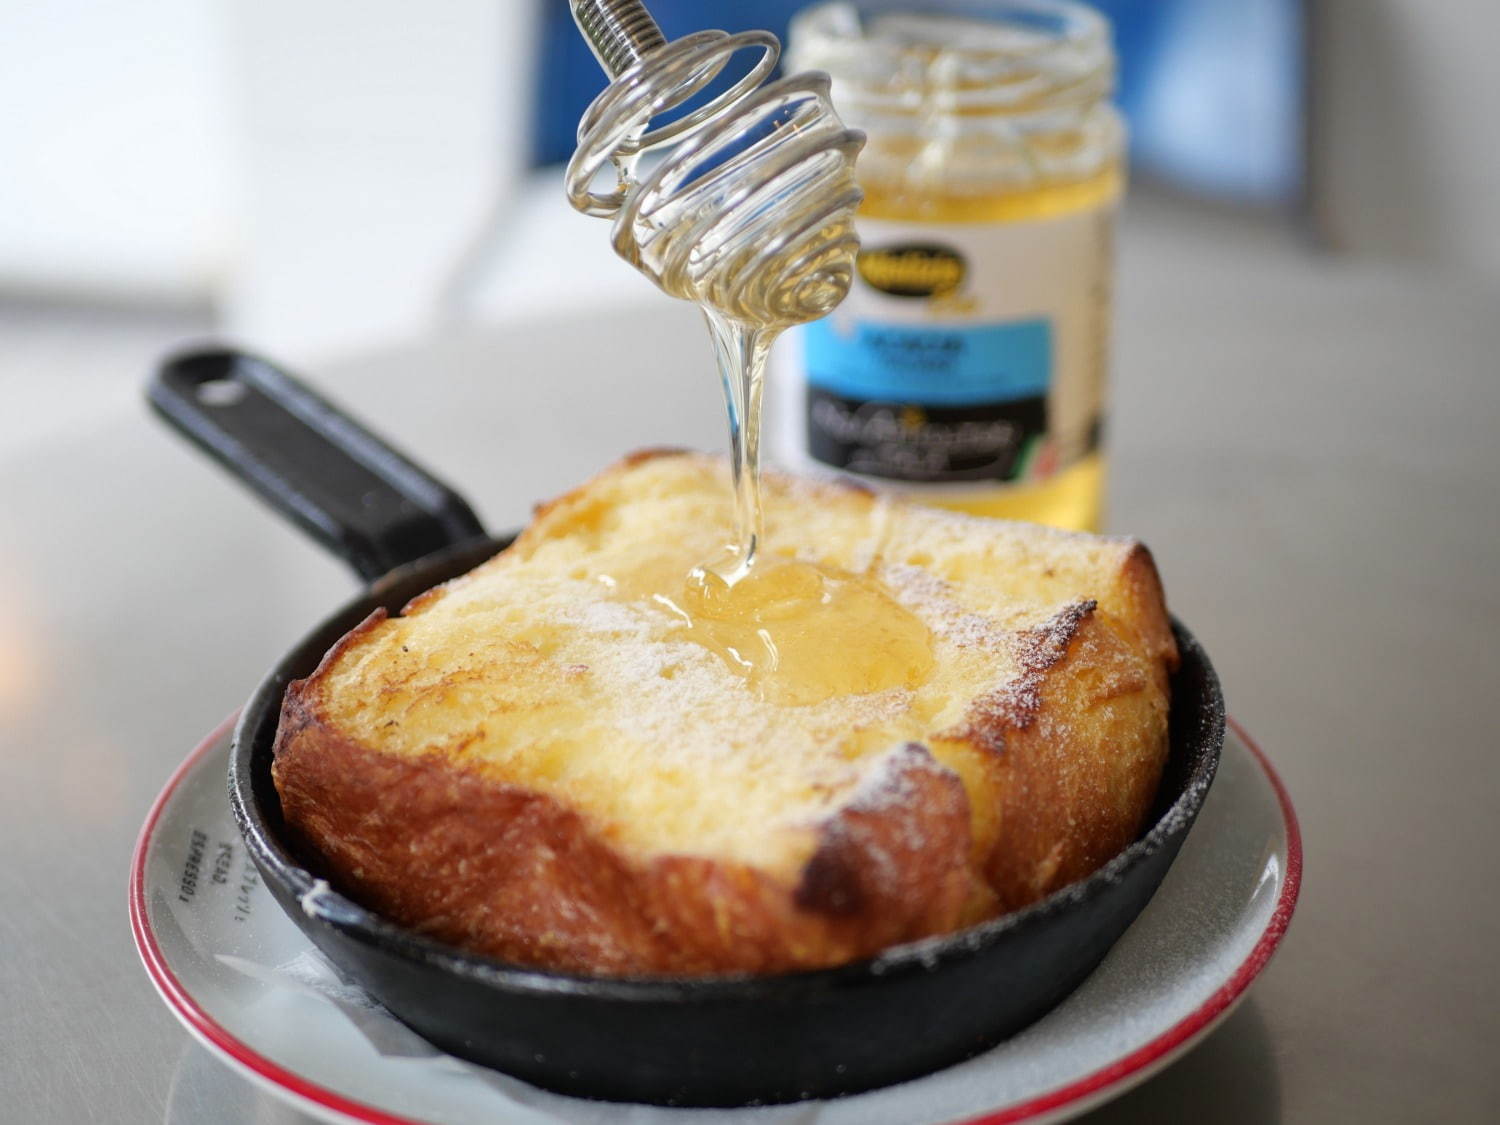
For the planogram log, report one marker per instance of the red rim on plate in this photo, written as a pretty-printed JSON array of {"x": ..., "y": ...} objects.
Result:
[{"x": 1134, "y": 1065}]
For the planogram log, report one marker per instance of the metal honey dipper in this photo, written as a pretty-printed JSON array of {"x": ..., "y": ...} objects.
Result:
[{"x": 749, "y": 214}]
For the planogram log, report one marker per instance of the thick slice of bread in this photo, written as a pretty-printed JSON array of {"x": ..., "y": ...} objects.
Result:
[{"x": 527, "y": 764}]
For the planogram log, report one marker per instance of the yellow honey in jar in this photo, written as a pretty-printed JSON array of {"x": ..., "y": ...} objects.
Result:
[{"x": 968, "y": 364}]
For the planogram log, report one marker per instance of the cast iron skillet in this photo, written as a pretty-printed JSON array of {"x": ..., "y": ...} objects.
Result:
[{"x": 719, "y": 1041}]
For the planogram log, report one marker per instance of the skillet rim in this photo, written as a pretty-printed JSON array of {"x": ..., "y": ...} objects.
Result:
[{"x": 278, "y": 863}]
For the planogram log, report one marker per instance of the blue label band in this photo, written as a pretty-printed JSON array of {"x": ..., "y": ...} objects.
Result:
[{"x": 938, "y": 365}]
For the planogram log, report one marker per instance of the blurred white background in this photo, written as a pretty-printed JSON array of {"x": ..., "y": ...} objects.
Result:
[
  {"x": 327, "y": 177},
  {"x": 1302, "y": 426}
]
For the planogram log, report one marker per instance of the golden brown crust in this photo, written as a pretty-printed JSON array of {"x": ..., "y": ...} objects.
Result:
[
  {"x": 1147, "y": 606},
  {"x": 511, "y": 872},
  {"x": 1066, "y": 803},
  {"x": 1042, "y": 779},
  {"x": 489, "y": 867},
  {"x": 347, "y": 643},
  {"x": 894, "y": 861}
]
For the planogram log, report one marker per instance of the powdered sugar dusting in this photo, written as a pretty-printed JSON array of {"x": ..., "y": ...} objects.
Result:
[
  {"x": 1015, "y": 703},
  {"x": 589, "y": 689},
  {"x": 890, "y": 779},
  {"x": 930, "y": 598}
]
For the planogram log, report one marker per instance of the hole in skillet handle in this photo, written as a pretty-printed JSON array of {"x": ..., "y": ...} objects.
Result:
[
  {"x": 220, "y": 392},
  {"x": 725, "y": 1041}
]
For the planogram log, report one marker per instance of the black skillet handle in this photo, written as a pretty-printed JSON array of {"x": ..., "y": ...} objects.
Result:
[{"x": 314, "y": 464}]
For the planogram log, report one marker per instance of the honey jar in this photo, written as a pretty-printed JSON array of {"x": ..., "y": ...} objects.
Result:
[{"x": 968, "y": 365}]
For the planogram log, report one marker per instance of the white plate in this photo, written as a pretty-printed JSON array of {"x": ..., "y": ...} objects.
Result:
[{"x": 247, "y": 984}]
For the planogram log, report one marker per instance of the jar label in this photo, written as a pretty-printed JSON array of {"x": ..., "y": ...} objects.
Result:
[{"x": 964, "y": 351}]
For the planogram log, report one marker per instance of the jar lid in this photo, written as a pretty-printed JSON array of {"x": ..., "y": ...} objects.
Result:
[{"x": 965, "y": 57}]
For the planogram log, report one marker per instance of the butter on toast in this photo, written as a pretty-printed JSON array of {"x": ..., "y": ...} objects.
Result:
[{"x": 526, "y": 764}]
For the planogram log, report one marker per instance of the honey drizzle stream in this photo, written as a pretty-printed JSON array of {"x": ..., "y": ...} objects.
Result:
[
  {"x": 741, "y": 351},
  {"x": 799, "y": 631},
  {"x": 760, "y": 238}
]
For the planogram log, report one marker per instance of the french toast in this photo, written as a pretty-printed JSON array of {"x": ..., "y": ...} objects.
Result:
[{"x": 533, "y": 763}]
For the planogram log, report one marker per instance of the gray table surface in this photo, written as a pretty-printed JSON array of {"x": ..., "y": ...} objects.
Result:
[{"x": 1308, "y": 446}]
